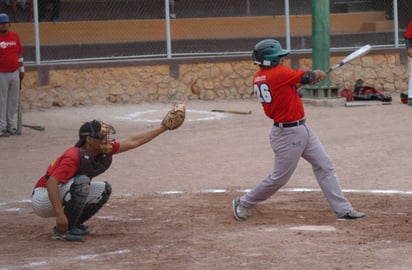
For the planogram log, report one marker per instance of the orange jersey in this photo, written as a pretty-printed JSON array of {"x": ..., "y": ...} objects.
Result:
[{"x": 276, "y": 90}]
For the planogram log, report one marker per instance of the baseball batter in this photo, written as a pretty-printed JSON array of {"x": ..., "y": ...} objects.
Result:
[
  {"x": 408, "y": 43},
  {"x": 291, "y": 138},
  {"x": 66, "y": 190}
]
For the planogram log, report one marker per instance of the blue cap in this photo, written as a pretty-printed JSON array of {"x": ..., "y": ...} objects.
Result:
[{"x": 4, "y": 18}]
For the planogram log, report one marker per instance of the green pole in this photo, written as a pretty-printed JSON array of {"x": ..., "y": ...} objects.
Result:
[{"x": 320, "y": 37}]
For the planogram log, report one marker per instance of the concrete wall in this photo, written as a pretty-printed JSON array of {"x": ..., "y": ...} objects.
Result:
[{"x": 171, "y": 80}]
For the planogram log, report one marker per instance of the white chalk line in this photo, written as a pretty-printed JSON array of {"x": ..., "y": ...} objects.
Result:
[
  {"x": 152, "y": 116},
  {"x": 64, "y": 261},
  {"x": 372, "y": 191},
  {"x": 206, "y": 191},
  {"x": 314, "y": 228}
]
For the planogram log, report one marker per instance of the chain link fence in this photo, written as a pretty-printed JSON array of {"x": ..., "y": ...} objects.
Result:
[{"x": 77, "y": 30}]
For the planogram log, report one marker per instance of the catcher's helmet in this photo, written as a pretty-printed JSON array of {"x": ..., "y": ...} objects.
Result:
[
  {"x": 4, "y": 18},
  {"x": 268, "y": 52}
]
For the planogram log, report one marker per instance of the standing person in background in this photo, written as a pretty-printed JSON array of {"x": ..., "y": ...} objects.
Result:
[
  {"x": 55, "y": 10},
  {"x": 11, "y": 73},
  {"x": 42, "y": 7},
  {"x": 408, "y": 44},
  {"x": 26, "y": 5},
  {"x": 172, "y": 9},
  {"x": 291, "y": 138},
  {"x": 46, "y": 6}
]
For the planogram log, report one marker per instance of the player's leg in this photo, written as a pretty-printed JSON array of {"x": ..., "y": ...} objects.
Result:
[
  {"x": 410, "y": 82},
  {"x": 75, "y": 200},
  {"x": 41, "y": 203},
  {"x": 4, "y": 88},
  {"x": 288, "y": 145},
  {"x": 98, "y": 196},
  {"x": 325, "y": 174},
  {"x": 13, "y": 96}
]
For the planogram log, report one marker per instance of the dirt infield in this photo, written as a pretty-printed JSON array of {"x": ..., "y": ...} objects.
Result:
[{"x": 171, "y": 201}]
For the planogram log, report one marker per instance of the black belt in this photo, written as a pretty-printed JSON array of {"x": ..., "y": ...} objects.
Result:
[{"x": 289, "y": 124}]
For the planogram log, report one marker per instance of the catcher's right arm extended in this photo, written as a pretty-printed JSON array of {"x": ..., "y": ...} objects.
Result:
[{"x": 175, "y": 117}]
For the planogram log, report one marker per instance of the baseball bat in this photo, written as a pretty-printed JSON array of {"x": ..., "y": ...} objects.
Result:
[
  {"x": 38, "y": 128},
  {"x": 233, "y": 111},
  {"x": 354, "y": 55},
  {"x": 366, "y": 103},
  {"x": 19, "y": 117},
  {"x": 18, "y": 132}
]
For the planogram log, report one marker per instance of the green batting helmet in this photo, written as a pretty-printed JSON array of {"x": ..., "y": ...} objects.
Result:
[{"x": 267, "y": 53}]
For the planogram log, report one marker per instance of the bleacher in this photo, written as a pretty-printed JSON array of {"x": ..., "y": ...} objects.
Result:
[
  {"x": 196, "y": 28},
  {"x": 202, "y": 26},
  {"x": 80, "y": 10}
]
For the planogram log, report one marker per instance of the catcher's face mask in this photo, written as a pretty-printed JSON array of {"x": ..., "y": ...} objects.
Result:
[{"x": 103, "y": 135}]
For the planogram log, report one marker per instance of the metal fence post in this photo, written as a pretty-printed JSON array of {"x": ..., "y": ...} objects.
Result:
[
  {"x": 395, "y": 21},
  {"x": 168, "y": 35},
  {"x": 36, "y": 31}
]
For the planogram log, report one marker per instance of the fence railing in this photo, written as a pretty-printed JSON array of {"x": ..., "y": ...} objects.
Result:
[{"x": 74, "y": 30}]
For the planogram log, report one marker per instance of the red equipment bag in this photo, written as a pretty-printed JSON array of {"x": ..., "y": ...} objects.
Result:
[{"x": 362, "y": 92}]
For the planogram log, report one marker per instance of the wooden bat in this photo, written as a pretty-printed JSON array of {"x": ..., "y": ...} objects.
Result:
[
  {"x": 19, "y": 117},
  {"x": 233, "y": 111},
  {"x": 356, "y": 54},
  {"x": 18, "y": 132},
  {"x": 38, "y": 128}
]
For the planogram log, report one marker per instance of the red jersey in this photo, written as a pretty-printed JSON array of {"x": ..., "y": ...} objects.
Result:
[
  {"x": 276, "y": 90},
  {"x": 66, "y": 166},
  {"x": 408, "y": 33},
  {"x": 10, "y": 50}
]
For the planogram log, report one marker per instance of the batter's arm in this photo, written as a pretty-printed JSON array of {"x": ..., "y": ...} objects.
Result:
[
  {"x": 140, "y": 139},
  {"x": 54, "y": 197}
]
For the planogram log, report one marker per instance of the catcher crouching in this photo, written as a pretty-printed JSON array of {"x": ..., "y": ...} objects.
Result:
[{"x": 66, "y": 190}]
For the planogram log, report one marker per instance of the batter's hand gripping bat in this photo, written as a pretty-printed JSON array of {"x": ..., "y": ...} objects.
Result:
[
  {"x": 233, "y": 111},
  {"x": 356, "y": 54}
]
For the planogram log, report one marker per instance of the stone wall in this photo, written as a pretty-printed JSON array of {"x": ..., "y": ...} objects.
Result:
[{"x": 172, "y": 80}]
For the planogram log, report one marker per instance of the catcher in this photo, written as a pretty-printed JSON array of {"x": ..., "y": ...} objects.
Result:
[{"x": 66, "y": 190}]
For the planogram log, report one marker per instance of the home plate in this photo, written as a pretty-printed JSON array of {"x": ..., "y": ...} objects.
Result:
[{"x": 321, "y": 228}]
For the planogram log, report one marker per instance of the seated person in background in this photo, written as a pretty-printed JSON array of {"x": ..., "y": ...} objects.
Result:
[
  {"x": 49, "y": 6},
  {"x": 172, "y": 9},
  {"x": 24, "y": 4}
]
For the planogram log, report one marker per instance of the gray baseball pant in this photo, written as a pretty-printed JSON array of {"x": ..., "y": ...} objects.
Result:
[
  {"x": 410, "y": 78},
  {"x": 9, "y": 94},
  {"x": 289, "y": 144}
]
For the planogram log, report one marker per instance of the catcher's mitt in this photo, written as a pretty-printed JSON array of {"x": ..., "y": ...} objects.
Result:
[{"x": 175, "y": 117}]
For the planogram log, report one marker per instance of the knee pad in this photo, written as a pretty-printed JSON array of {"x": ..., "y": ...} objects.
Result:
[
  {"x": 107, "y": 192},
  {"x": 79, "y": 191},
  {"x": 91, "y": 209},
  {"x": 80, "y": 188}
]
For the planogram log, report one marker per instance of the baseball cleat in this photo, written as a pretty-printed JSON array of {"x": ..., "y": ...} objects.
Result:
[
  {"x": 80, "y": 230},
  {"x": 352, "y": 215},
  {"x": 240, "y": 213},
  {"x": 65, "y": 236}
]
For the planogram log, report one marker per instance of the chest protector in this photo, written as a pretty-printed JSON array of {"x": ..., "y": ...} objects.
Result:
[{"x": 93, "y": 167}]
